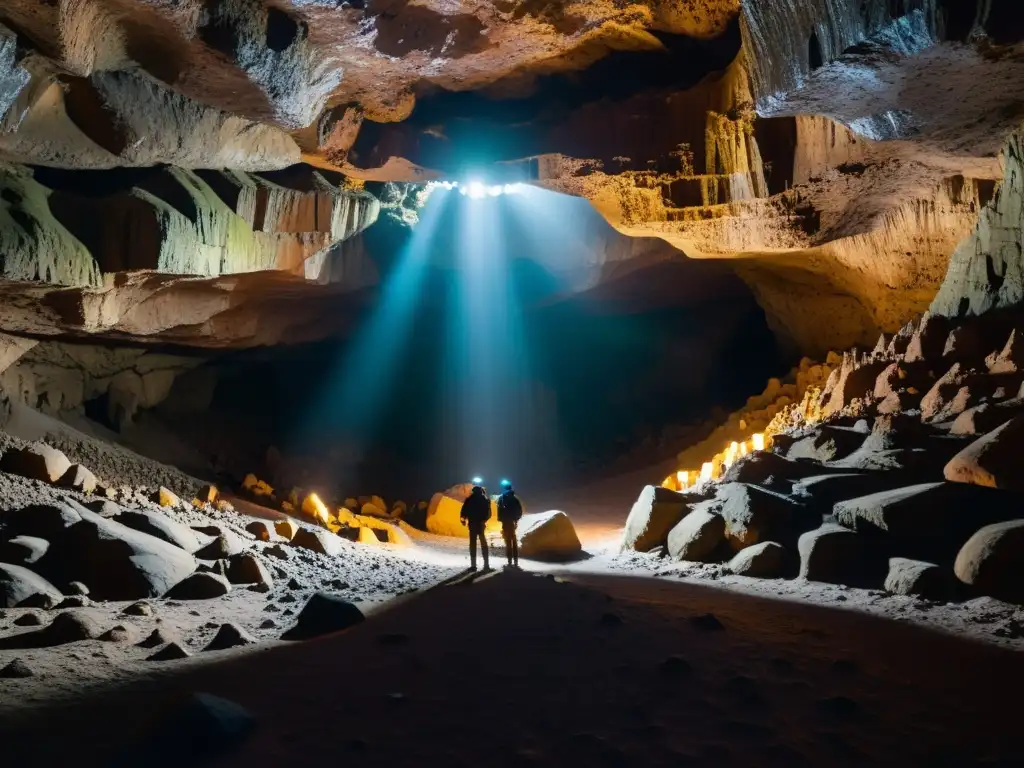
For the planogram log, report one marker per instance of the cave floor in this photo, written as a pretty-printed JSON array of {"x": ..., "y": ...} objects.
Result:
[{"x": 529, "y": 669}]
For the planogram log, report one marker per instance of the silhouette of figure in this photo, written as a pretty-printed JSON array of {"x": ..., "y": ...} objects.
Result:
[
  {"x": 475, "y": 512},
  {"x": 510, "y": 510}
]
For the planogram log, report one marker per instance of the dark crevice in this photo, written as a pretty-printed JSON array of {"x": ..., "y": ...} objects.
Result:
[
  {"x": 815, "y": 56},
  {"x": 94, "y": 118},
  {"x": 282, "y": 30}
]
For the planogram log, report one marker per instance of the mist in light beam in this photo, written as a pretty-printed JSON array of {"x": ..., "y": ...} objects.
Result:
[{"x": 357, "y": 390}]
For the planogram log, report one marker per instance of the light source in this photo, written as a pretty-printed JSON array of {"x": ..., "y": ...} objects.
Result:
[{"x": 477, "y": 190}]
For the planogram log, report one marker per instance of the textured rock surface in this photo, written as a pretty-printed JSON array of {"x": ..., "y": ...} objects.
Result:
[{"x": 842, "y": 149}]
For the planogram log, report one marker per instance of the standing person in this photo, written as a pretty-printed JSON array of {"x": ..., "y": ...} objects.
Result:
[
  {"x": 476, "y": 510},
  {"x": 510, "y": 510}
]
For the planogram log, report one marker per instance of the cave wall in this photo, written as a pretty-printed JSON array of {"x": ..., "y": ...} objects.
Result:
[{"x": 986, "y": 271}]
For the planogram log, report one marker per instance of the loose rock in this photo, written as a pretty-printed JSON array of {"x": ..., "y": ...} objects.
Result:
[
  {"x": 990, "y": 561},
  {"x": 18, "y": 585},
  {"x": 37, "y": 461},
  {"x": 200, "y": 586},
  {"x": 229, "y": 636},
  {"x": 324, "y": 614},
  {"x": 15, "y": 669},
  {"x": 697, "y": 536}
]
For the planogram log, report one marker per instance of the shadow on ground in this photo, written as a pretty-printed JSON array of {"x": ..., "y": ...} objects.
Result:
[{"x": 523, "y": 670}]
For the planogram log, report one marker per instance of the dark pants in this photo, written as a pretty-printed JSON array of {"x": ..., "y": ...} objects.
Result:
[
  {"x": 508, "y": 531},
  {"x": 476, "y": 531}
]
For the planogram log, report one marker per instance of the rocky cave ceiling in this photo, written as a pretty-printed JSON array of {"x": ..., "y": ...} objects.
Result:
[{"x": 204, "y": 172}]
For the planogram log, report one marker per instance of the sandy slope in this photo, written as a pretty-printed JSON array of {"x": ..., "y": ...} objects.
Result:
[{"x": 524, "y": 670}]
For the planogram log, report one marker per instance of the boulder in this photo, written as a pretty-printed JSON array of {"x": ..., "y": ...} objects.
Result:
[
  {"x": 822, "y": 492},
  {"x": 915, "y": 577},
  {"x": 753, "y": 514},
  {"x": 836, "y": 555},
  {"x": 995, "y": 460},
  {"x": 115, "y": 561},
  {"x": 18, "y": 584},
  {"x": 370, "y": 536},
  {"x": 104, "y": 508},
  {"x": 261, "y": 529},
  {"x": 37, "y": 461},
  {"x": 992, "y": 560},
  {"x": 70, "y": 627},
  {"x": 826, "y": 443},
  {"x": 15, "y": 669},
  {"x": 200, "y": 586},
  {"x": 45, "y": 521},
  {"x": 654, "y": 514},
  {"x": 225, "y": 545},
  {"x": 162, "y": 527},
  {"x": 986, "y": 417},
  {"x": 697, "y": 537},
  {"x": 246, "y": 568},
  {"x": 123, "y": 634},
  {"x": 170, "y": 652},
  {"x": 23, "y": 550},
  {"x": 78, "y": 478},
  {"x": 372, "y": 510},
  {"x": 286, "y": 529},
  {"x": 768, "y": 468},
  {"x": 445, "y": 512},
  {"x": 929, "y": 521},
  {"x": 767, "y": 560},
  {"x": 166, "y": 498},
  {"x": 318, "y": 540},
  {"x": 324, "y": 614},
  {"x": 207, "y": 495},
  {"x": 229, "y": 636},
  {"x": 548, "y": 536},
  {"x": 378, "y": 502}
]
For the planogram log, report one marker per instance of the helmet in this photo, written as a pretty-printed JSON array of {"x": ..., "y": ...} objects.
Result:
[{"x": 506, "y": 485}]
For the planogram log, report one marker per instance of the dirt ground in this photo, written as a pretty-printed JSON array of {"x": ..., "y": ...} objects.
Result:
[
  {"x": 526, "y": 669},
  {"x": 610, "y": 660}
]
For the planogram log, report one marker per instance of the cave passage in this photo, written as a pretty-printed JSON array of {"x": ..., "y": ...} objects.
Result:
[{"x": 517, "y": 335}]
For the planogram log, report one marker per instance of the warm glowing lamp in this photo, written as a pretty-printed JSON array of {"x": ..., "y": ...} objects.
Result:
[
  {"x": 682, "y": 479},
  {"x": 758, "y": 440},
  {"x": 706, "y": 470}
]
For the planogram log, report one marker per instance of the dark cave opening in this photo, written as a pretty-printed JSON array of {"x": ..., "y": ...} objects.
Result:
[
  {"x": 609, "y": 367},
  {"x": 815, "y": 57}
]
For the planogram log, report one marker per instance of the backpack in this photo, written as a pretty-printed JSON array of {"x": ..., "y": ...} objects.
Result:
[{"x": 509, "y": 508}]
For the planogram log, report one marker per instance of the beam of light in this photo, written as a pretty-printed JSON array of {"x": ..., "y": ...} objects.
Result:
[{"x": 353, "y": 394}]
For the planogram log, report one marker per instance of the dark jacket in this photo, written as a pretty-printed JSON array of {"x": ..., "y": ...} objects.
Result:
[
  {"x": 509, "y": 507},
  {"x": 477, "y": 508}
]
